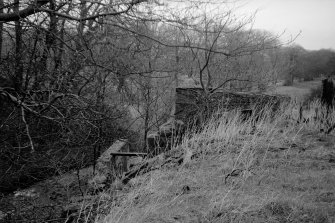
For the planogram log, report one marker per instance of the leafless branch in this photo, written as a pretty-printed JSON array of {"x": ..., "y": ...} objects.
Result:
[
  {"x": 27, "y": 130},
  {"x": 30, "y": 10},
  {"x": 37, "y": 7},
  {"x": 186, "y": 46}
]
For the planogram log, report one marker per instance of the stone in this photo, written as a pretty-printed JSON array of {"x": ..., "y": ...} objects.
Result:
[
  {"x": 192, "y": 104},
  {"x": 98, "y": 181},
  {"x": 171, "y": 127}
]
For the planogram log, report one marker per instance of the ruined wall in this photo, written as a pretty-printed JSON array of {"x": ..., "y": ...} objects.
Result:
[
  {"x": 191, "y": 103},
  {"x": 192, "y": 108}
]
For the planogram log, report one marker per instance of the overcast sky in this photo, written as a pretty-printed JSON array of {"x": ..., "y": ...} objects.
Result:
[{"x": 314, "y": 18}]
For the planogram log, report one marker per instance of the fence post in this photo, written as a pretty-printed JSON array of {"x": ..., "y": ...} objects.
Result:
[{"x": 125, "y": 158}]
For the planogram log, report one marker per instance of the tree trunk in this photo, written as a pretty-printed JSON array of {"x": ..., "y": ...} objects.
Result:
[
  {"x": 328, "y": 93},
  {"x": 18, "y": 51},
  {"x": 147, "y": 116},
  {"x": 50, "y": 36},
  {"x": 1, "y": 28}
]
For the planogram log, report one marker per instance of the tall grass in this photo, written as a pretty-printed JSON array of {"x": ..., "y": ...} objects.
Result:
[{"x": 221, "y": 160}]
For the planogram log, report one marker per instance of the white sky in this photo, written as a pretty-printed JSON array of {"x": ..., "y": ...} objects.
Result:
[{"x": 314, "y": 18}]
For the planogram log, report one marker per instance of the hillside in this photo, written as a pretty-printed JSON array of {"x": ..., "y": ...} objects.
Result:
[
  {"x": 231, "y": 171},
  {"x": 162, "y": 111},
  {"x": 271, "y": 167}
]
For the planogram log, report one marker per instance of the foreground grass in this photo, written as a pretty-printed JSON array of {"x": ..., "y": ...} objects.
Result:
[{"x": 234, "y": 171}]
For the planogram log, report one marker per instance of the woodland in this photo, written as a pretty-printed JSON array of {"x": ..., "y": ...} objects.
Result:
[{"x": 77, "y": 75}]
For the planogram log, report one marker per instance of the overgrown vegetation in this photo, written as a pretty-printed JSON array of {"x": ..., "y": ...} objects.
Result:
[
  {"x": 77, "y": 75},
  {"x": 306, "y": 65},
  {"x": 272, "y": 170}
]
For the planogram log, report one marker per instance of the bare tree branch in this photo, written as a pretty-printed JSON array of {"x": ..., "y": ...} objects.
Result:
[
  {"x": 94, "y": 16},
  {"x": 30, "y": 10},
  {"x": 186, "y": 46},
  {"x": 27, "y": 130},
  {"x": 37, "y": 7}
]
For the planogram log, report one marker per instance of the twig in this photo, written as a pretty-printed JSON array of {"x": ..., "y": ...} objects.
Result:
[
  {"x": 330, "y": 129},
  {"x": 78, "y": 178},
  {"x": 27, "y": 130},
  {"x": 234, "y": 173}
]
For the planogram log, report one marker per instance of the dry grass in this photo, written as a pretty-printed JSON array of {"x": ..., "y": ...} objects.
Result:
[
  {"x": 274, "y": 170},
  {"x": 299, "y": 91}
]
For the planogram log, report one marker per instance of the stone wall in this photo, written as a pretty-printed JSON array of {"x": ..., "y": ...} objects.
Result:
[
  {"x": 192, "y": 107},
  {"x": 192, "y": 104},
  {"x": 110, "y": 166}
]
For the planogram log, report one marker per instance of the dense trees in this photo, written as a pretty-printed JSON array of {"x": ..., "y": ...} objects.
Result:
[
  {"x": 56, "y": 76},
  {"x": 308, "y": 64},
  {"x": 75, "y": 75}
]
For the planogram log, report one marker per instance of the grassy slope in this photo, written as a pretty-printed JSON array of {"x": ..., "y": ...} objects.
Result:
[
  {"x": 299, "y": 90},
  {"x": 280, "y": 172}
]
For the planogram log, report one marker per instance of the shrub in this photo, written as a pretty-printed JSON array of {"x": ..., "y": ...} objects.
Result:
[{"x": 315, "y": 94}]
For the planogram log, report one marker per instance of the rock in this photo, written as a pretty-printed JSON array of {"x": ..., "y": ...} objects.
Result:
[
  {"x": 168, "y": 134},
  {"x": 98, "y": 181},
  {"x": 104, "y": 162},
  {"x": 171, "y": 127},
  {"x": 135, "y": 161},
  {"x": 107, "y": 165}
]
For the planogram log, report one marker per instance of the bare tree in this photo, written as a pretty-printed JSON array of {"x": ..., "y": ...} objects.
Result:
[
  {"x": 1, "y": 27},
  {"x": 71, "y": 68},
  {"x": 227, "y": 43}
]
